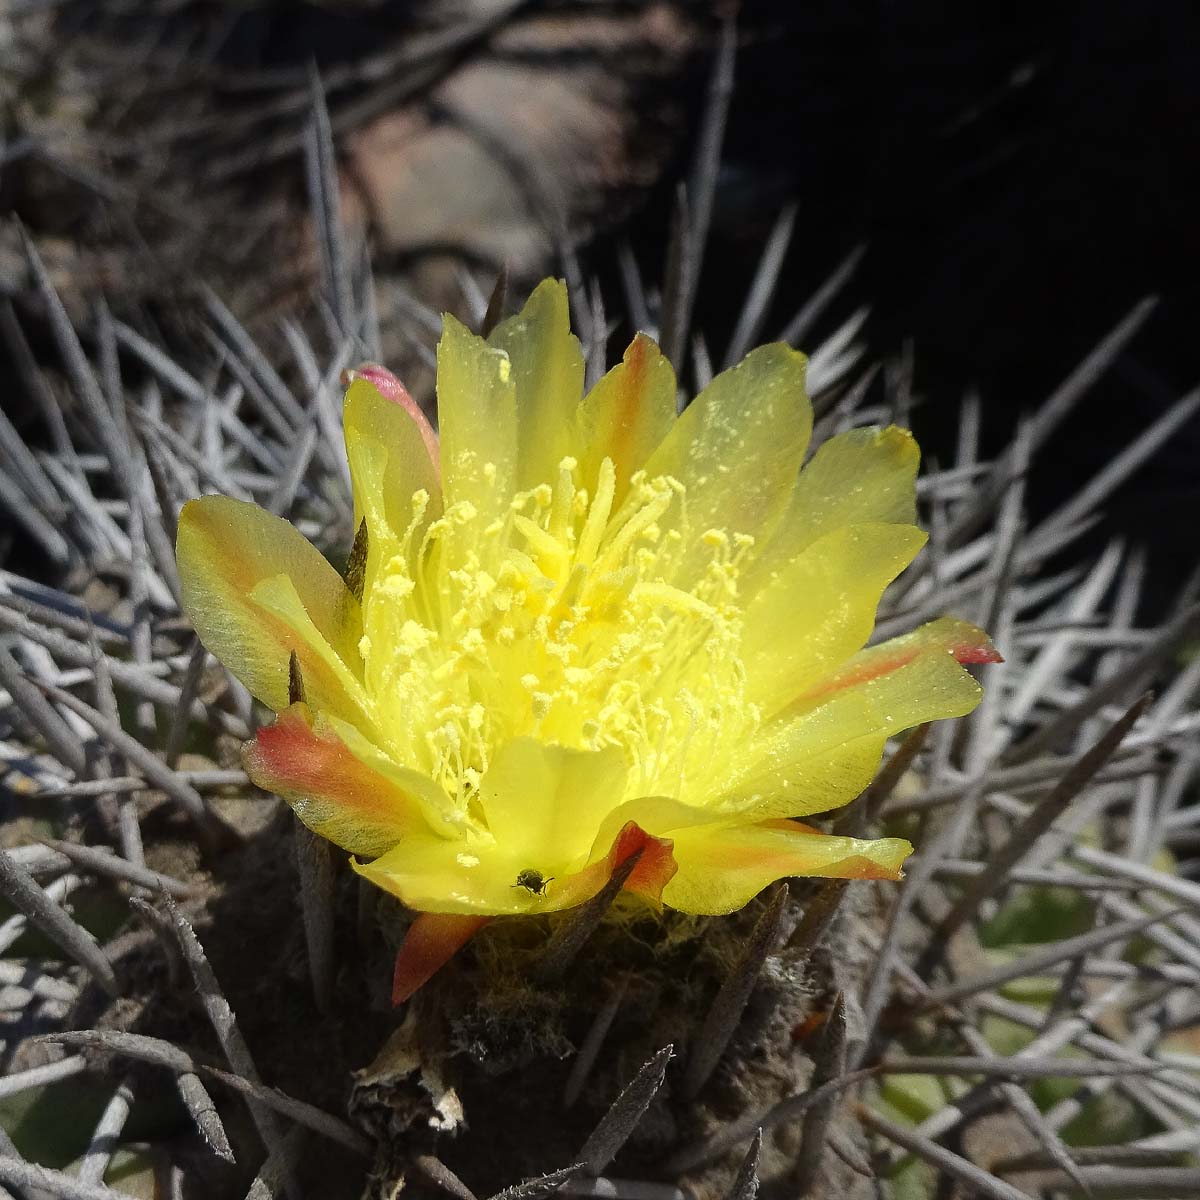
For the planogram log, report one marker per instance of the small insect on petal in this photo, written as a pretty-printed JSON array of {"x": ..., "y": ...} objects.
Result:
[{"x": 534, "y": 882}]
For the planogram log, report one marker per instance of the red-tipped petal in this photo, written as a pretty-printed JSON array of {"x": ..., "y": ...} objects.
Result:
[
  {"x": 967, "y": 653},
  {"x": 654, "y": 869},
  {"x": 387, "y": 385},
  {"x": 432, "y": 941},
  {"x": 332, "y": 790},
  {"x": 722, "y": 869},
  {"x": 967, "y": 644}
]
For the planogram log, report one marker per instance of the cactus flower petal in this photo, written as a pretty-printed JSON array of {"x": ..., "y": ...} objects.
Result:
[
  {"x": 546, "y": 369},
  {"x": 819, "y": 609},
  {"x": 627, "y": 414},
  {"x": 256, "y": 591},
  {"x": 439, "y": 875},
  {"x": 386, "y": 385},
  {"x": 950, "y": 638},
  {"x": 861, "y": 476},
  {"x": 821, "y": 752},
  {"x": 723, "y": 868},
  {"x": 477, "y": 422},
  {"x": 333, "y": 780},
  {"x": 391, "y": 459},
  {"x": 734, "y": 457},
  {"x": 431, "y": 942}
]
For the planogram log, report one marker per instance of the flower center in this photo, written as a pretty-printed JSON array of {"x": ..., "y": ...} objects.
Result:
[{"x": 564, "y": 621}]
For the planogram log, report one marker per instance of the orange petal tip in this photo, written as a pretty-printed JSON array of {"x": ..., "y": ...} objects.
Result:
[
  {"x": 432, "y": 940},
  {"x": 655, "y": 868}
]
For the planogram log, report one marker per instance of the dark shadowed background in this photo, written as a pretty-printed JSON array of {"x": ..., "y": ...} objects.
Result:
[{"x": 1020, "y": 175}]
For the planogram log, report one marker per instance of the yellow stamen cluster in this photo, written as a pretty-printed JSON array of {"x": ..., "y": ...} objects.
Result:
[{"x": 556, "y": 622}]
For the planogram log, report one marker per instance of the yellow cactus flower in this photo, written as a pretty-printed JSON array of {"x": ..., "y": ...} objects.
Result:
[{"x": 578, "y": 627}]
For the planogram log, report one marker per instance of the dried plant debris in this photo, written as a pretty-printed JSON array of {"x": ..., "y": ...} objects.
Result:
[{"x": 190, "y": 1002}]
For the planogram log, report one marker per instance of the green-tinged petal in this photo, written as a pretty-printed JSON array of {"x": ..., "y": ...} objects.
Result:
[
  {"x": 736, "y": 450},
  {"x": 440, "y": 875},
  {"x": 720, "y": 869},
  {"x": 477, "y": 421},
  {"x": 862, "y": 475},
  {"x": 544, "y": 803},
  {"x": 328, "y": 682},
  {"x": 547, "y": 373},
  {"x": 302, "y": 758},
  {"x": 390, "y": 461},
  {"x": 822, "y": 752},
  {"x": 626, "y": 416},
  {"x": 256, "y": 591},
  {"x": 819, "y": 609}
]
